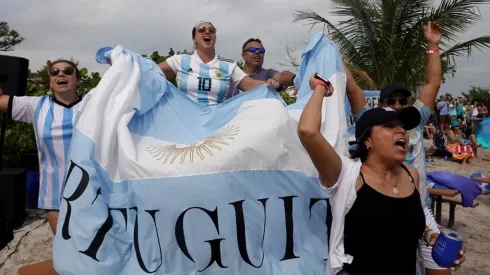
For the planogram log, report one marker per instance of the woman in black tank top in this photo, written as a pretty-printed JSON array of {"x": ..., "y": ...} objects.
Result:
[{"x": 374, "y": 198}]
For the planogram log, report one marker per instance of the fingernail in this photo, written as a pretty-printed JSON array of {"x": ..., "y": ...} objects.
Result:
[
  {"x": 452, "y": 268},
  {"x": 461, "y": 252},
  {"x": 456, "y": 262}
]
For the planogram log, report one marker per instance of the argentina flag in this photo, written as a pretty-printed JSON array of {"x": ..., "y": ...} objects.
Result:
[{"x": 159, "y": 184}]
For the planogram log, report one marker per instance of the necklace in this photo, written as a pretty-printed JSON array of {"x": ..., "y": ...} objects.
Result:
[{"x": 395, "y": 188}]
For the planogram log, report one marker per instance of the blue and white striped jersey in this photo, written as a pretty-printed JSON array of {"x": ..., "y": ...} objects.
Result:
[
  {"x": 205, "y": 83},
  {"x": 53, "y": 125}
]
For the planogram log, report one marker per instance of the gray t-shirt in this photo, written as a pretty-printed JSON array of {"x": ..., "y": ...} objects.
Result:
[{"x": 262, "y": 75}]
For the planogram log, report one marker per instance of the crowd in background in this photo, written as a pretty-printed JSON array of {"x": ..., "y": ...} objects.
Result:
[{"x": 452, "y": 125}]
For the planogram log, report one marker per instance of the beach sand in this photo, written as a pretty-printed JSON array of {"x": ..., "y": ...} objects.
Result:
[{"x": 473, "y": 224}]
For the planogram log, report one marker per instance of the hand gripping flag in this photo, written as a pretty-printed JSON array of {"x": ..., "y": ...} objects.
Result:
[{"x": 159, "y": 184}]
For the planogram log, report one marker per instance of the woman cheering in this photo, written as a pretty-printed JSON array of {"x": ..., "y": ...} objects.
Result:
[
  {"x": 202, "y": 75},
  {"x": 377, "y": 214},
  {"x": 53, "y": 118}
]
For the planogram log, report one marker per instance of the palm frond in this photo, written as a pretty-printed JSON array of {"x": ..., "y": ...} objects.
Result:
[
  {"x": 347, "y": 48},
  {"x": 362, "y": 77},
  {"x": 456, "y": 16},
  {"x": 466, "y": 49}
]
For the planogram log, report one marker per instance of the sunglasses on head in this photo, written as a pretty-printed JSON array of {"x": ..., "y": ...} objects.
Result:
[
  {"x": 256, "y": 50},
  {"x": 392, "y": 101},
  {"x": 65, "y": 70},
  {"x": 202, "y": 29}
]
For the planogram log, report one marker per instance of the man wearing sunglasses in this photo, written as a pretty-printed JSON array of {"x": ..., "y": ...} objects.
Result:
[
  {"x": 253, "y": 53},
  {"x": 397, "y": 97}
]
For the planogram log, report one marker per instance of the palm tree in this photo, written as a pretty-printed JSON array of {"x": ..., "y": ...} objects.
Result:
[{"x": 384, "y": 38}]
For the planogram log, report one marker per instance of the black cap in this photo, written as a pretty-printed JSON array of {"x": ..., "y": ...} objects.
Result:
[
  {"x": 391, "y": 88},
  {"x": 409, "y": 117}
]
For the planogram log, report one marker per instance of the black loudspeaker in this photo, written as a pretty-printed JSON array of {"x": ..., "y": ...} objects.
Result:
[
  {"x": 13, "y": 74},
  {"x": 13, "y": 195}
]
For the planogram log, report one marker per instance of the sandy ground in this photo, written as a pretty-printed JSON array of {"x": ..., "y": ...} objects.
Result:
[{"x": 473, "y": 224}]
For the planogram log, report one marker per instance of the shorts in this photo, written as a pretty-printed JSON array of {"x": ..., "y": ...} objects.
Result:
[
  {"x": 424, "y": 253},
  {"x": 444, "y": 119}
]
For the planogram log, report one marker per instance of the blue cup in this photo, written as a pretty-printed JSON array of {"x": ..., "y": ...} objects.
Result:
[{"x": 447, "y": 247}]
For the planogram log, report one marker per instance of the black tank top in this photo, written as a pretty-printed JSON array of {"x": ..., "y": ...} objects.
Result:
[{"x": 382, "y": 232}]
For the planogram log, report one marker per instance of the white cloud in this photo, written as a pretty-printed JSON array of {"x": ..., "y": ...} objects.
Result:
[{"x": 78, "y": 28}]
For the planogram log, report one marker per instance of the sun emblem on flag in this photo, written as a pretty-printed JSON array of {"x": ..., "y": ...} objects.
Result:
[
  {"x": 190, "y": 151},
  {"x": 218, "y": 74}
]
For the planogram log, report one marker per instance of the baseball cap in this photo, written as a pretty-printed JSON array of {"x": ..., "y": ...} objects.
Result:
[
  {"x": 391, "y": 88},
  {"x": 409, "y": 117}
]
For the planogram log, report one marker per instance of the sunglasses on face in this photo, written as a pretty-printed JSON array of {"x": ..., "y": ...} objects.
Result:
[
  {"x": 65, "y": 70},
  {"x": 202, "y": 29},
  {"x": 255, "y": 50},
  {"x": 392, "y": 101}
]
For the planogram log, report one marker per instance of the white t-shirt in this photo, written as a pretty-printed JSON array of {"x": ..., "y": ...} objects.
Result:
[
  {"x": 341, "y": 196},
  {"x": 205, "y": 83}
]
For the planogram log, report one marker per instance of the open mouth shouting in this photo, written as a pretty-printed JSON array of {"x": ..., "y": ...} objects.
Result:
[
  {"x": 207, "y": 38},
  {"x": 401, "y": 144},
  {"x": 62, "y": 82}
]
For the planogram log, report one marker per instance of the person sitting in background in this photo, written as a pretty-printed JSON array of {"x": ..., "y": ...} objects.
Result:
[
  {"x": 53, "y": 118},
  {"x": 484, "y": 111},
  {"x": 461, "y": 152},
  {"x": 253, "y": 54},
  {"x": 203, "y": 75},
  {"x": 470, "y": 138}
]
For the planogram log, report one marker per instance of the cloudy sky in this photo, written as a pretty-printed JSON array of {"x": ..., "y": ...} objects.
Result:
[{"x": 77, "y": 29}]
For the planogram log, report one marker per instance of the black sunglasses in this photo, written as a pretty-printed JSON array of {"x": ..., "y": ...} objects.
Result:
[
  {"x": 65, "y": 70},
  {"x": 392, "y": 101},
  {"x": 255, "y": 50}
]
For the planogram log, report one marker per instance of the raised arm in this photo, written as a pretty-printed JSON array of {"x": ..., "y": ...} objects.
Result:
[
  {"x": 355, "y": 95},
  {"x": 323, "y": 155},
  {"x": 4, "y": 102},
  {"x": 433, "y": 73}
]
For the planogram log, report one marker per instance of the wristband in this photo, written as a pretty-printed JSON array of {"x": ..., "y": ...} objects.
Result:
[
  {"x": 322, "y": 83},
  {"x": 319, "y": 82},
  {"x": 431, "y": 51}
]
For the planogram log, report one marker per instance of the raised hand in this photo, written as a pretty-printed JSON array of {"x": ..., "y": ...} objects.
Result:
[{"x": 432, "y": 33}]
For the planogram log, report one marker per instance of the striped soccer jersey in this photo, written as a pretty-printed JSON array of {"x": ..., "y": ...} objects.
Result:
[
  {"x": 205, "y": 83},
  {"x": 53, "y": 125}
]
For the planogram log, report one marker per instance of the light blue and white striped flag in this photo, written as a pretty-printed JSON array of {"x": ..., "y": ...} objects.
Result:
[{"x": 160, "y": 184}]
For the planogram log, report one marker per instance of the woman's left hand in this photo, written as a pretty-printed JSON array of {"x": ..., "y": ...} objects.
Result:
[
  {"x": 271, "y": 83},
  {"x": 458, "y": 262}
]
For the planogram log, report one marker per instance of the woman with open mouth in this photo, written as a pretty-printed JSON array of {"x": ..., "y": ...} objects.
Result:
[
  {"x": 376, "y": 206},
  {"x": 204, "y": 76},
  {"x": 53, "y": 118}
]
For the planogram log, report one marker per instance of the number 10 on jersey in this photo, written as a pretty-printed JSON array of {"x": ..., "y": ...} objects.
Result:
[{"x": 204, "y": 84}]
